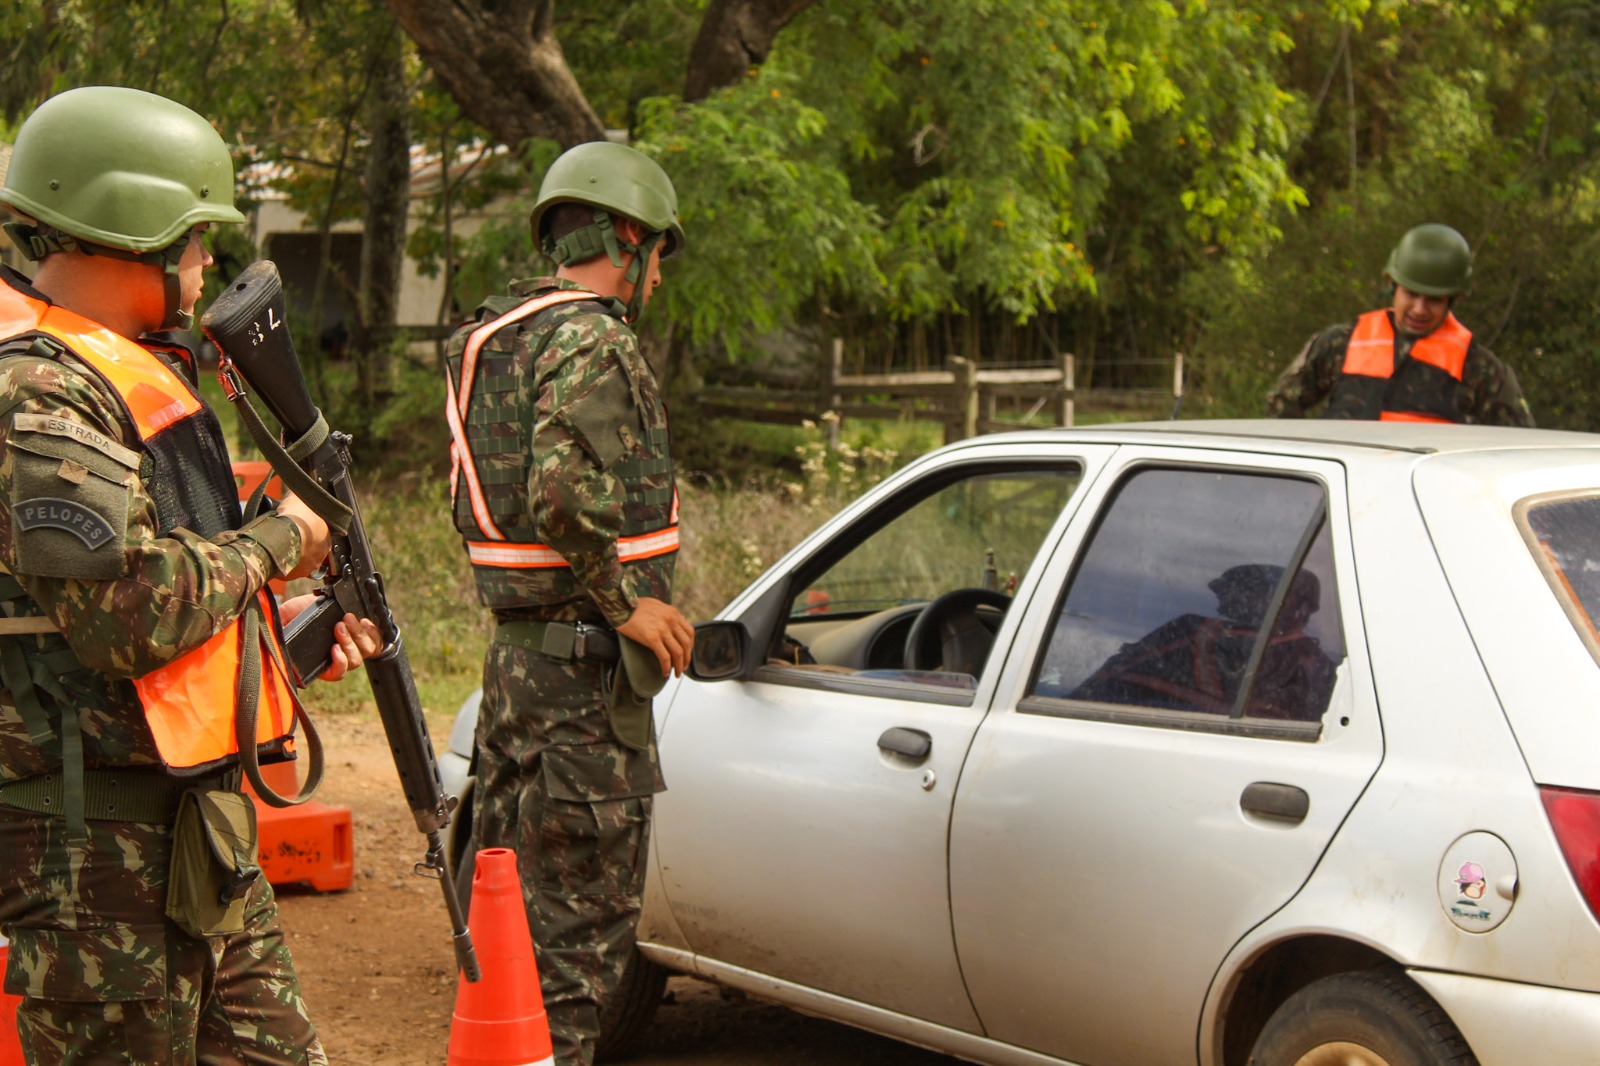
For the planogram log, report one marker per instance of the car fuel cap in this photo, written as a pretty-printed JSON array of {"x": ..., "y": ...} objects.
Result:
[{"x": 1478, "y": 882}]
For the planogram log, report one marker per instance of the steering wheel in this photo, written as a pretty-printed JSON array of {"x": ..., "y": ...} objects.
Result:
[{"x": 955, "y": 631}]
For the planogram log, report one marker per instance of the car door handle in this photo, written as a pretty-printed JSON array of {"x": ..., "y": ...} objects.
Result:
[
  {"x": 1284, "y": 803},
  {"x": 912, "y": 743}
]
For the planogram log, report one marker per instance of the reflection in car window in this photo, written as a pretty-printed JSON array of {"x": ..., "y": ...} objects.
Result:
[
  {"x": 1199, "y": 587},
  {"x": 1566, "y": 535},
  {"x": 978, "y": 533}
]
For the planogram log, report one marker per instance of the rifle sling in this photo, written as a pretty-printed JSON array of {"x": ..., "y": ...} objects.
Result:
[{"x": 285, "y": 461}]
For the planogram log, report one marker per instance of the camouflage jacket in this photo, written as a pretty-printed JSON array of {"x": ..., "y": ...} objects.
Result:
[
  {"x": 569, "y": 437},
  {"x": 1488, "y": 393},
  {"x": 174, "y": 594}
]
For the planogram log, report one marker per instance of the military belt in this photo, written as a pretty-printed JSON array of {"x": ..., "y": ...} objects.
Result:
[
  {"x": 562, "y": 641},
  {"x": 110, "y": 796}
]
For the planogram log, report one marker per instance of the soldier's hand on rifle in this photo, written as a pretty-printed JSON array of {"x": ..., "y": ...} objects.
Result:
[
  {"x": 663, "y": 629},
  {"x": 354, "y": 639},
  {"x": 315, "y": 540}
]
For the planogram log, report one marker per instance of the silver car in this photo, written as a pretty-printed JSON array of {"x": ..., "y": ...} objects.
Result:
[{"x": 1216, "y": 743}]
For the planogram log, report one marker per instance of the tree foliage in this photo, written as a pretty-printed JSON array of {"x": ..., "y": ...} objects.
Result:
[{"x": 1119, "y": 178}]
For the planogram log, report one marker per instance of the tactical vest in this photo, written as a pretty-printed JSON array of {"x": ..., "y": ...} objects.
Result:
[
  {"x": 1424, "y": 389},
  {"x": 189, "y": 703},
  {"x": 489, "y": 408}
]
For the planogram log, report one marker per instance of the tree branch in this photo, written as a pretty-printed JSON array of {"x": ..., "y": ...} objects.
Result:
[
  {"x": 502, "y": 64},
  {"x": 734, "y": 36}
]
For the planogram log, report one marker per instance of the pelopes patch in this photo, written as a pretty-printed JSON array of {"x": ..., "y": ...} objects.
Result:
[{"x": 49, "y": 512}]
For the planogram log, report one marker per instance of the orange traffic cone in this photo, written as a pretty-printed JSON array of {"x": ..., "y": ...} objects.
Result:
[
  {"x": 500, "y": 1020},
  {"x": 10, "y": 1045}
]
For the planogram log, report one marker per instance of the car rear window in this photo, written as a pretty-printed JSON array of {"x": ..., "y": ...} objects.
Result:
[{"x": 1564, "y": 534}]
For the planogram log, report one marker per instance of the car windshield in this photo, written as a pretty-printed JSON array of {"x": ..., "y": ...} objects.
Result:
[{"x": 1565, "y": 535}]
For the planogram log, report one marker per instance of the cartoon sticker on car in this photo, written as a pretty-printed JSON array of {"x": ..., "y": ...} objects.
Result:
[
  {"x": 1471, "y": 884},
  {"x": 1470, "y": 881}
]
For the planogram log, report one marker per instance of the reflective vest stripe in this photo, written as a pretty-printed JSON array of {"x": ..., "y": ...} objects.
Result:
[
  {"x": 1370, "y": 352},
  {"x": 461, "y": 461},
  {"x": 515, "y": 556},
  {"x": 1412, "y": 416},
  {"x": 189, "y": 703}
]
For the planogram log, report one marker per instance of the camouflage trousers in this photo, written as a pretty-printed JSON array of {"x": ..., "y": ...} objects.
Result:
[
  {"x": 107, "y": 979},
  {"x": 556, "y": 787}
]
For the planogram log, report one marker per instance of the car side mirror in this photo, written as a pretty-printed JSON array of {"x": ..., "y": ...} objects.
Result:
[{"x": 721, "y": 651}]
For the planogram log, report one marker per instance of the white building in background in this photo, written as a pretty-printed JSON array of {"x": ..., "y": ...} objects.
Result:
[{"x": 290, "y": 238}]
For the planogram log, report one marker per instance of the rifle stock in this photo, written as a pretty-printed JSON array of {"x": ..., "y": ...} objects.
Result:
[{"x": 247, "y": 325}]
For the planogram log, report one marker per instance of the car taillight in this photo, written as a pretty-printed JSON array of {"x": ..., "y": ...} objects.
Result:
[{"x": 1575, "y": 816}]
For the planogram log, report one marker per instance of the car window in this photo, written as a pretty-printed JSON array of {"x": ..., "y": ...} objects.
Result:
[
  {"x": 1202, "y": 592},
  {"x": 1565, "y": 535},
  {"x": 976, "y": 535}
]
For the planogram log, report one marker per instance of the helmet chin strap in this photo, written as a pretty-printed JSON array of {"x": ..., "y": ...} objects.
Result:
[
  {"x": 601, "y": 237},
  {"x": 635, "y": 274}
]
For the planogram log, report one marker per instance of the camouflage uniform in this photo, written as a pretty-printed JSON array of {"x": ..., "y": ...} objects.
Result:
[
  {"x": 105, "y": 976},
  {"x": 570, "y": 440},
  {"x": 1488, "y": 393}
]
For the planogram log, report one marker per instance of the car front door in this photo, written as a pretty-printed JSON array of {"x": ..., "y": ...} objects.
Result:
[
  {"x": 804, "y": 832},
  {"x": 1185, "y": 719}
]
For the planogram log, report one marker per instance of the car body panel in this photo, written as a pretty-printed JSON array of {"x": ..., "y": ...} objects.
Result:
[
  {"x": 1515, "y": 617},
  {"x": 1049, "y": 807},
  {"x": 1461, "y": 772},
  {"x": 792, "y": 889},
  {"x": 1497, "y": 1017}
]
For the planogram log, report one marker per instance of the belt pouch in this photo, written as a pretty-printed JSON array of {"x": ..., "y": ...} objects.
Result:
[{"x": 215, "y": 857}]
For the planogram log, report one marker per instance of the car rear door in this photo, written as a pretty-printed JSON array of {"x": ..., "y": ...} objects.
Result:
[
  {"x": 1157, "y": 777},
  {"x": 804, "y": 833}
]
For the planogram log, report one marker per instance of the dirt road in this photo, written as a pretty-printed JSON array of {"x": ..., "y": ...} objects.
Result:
[{"x": 378, "y": 971}]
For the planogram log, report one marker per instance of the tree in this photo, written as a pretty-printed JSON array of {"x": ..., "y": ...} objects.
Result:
[
  {"x": 388, "y": 188},
  {"x": 505, "y": 67}
]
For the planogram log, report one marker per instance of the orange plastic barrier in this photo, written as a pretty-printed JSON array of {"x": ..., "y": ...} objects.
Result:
[
  {"x": 249, "y": 473},
  {"x": 311, "y": 843},
  {"x": 500, "y": 1020},
  {"x": 10, "y": 1046}
]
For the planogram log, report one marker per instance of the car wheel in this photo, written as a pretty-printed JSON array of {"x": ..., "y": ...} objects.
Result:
[
  {"x": 632, "y": 1007},
  {"x": 1368, "y": 1018}
]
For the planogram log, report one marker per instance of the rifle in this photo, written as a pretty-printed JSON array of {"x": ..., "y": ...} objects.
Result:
[{"x": 246, "y": 323}]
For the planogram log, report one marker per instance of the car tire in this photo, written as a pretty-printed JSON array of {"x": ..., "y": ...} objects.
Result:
[
  {"x": 1366, "y": 1018},
  {"x": 631, "y": 1008}
]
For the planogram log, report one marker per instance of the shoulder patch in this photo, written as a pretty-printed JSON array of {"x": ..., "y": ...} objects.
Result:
[
  {"x": 61, "y": 427},
  {"x": 49, "y": 512}
]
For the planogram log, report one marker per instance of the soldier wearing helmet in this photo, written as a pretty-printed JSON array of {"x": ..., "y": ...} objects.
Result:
[
  {"x": 136, "y": 636},
  {"x": 563, "y": 492},
  {"x": 1410, "y": 362}
]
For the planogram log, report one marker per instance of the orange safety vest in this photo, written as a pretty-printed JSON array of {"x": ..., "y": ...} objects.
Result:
[
  {"x": 1363, "y": 390},
  {"x": 189, "y": 703},
  {"x": 497, "y": 550}
]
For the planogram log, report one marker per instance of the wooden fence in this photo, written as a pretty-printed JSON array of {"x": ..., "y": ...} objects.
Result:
[{"x": 964, "y": 398}]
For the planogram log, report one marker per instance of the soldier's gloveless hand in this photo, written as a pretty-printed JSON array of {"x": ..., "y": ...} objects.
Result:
[{"x": 663, "y": 629}]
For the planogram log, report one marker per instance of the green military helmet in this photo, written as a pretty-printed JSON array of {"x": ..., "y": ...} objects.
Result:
[
  {"x": 1431, "y": 259},
  {"x": 620, "y": 180},
  {"x": 121, "y": 168}
]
